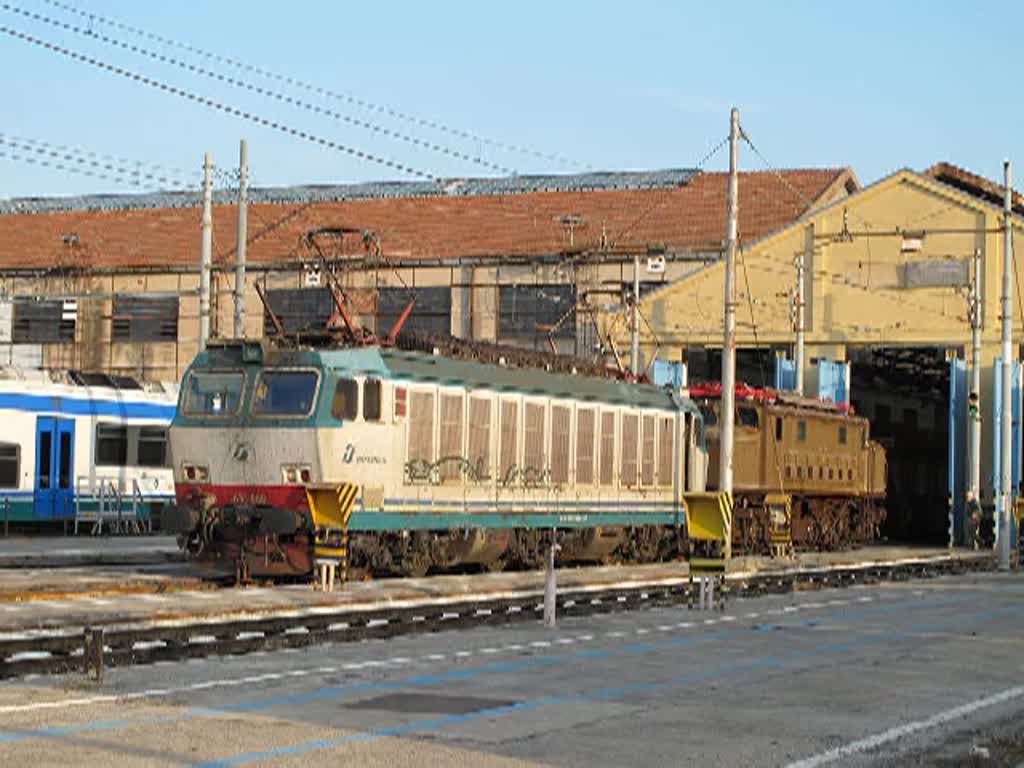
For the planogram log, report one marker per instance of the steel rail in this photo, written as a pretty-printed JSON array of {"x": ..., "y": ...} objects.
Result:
[{"x": 61, "y": 652}]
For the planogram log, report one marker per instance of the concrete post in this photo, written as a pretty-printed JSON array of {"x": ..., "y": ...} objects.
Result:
[
  {"x": 205, "y": 254},
  {"x": 550, "y": 587},
  {"x": 726, "y": 415},
  {"x": 243, "y": 226}
]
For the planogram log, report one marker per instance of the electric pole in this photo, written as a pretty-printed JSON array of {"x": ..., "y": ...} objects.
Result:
[
  {"x": 634, "y": 360},
  {"x": 973, "y": 396},
  {"x": 799, "y": 354},
  {"x": 1006, "y": 443},
  {"x": 243, "y": 225},
  {"x": 205, "y": 254},
  {"x": 727, "y": 415}
]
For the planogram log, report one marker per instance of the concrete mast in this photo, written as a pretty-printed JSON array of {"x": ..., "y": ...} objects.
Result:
[
  {"x": 800, "y": 304},
  {"x": 243, "y": 225},
  {"x": 205, "y": 254},
  {"x": 634, "y": 359},
  {"x": 727, "y": 412},
  {"x": 1006, "y": 446}
]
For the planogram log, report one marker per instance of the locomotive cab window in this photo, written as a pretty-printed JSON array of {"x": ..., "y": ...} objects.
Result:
[
  {"x": 345, "y": 403},
  {"x": 747, "y": 417},
  {"x": 801, "y": 430},
  {"x": 371, "y": 400},
  {"x": 213, "y": 393},
  {"x": 10, "y": 465},
  {"x": 284, "y": 393}
]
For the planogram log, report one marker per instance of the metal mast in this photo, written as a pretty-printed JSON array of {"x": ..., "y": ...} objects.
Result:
[
  {"x": 1006, "y": 447},
  {"x": 205, "y": 254},
  {"x": 974, "y": 417},
  {"x": 726, "y": 416},
  {"x": 243, "y": 225},
  {"x": 800, "y": 304}
]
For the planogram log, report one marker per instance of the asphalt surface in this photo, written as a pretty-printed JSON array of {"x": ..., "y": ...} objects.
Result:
[{"x": 892, "y": 674}]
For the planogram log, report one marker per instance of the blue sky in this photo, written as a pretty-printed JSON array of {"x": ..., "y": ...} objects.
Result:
[{"x": 636, "y": 85}]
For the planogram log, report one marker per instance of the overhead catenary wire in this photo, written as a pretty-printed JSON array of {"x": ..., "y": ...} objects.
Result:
[
  {"x": 216, "y": 105},
  {"x": 297, "y": 83},
  {"x": 65, "y": 159},
  {"x": 258, "y": 90}
]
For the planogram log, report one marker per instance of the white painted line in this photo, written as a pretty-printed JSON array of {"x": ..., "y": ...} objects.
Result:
[
  {"x": 752, "y": 615},
  {"x": 566, "y": 640},
  {"x": 865, "y": 599},
  {"x": 463, "y": 654},
  {"x": 515, "y": 647},
  {"x": 436, "y": 657},
  {"x": 585, "y": 638},
  {"x": 401, "y": 660},
  {"x": 665, "y": 627},
  {"x": 488, "y": 650},
  {"x": 709, "y": 622},
  {"x": 642, "y": 631},
  {"x": 907, "y": 729},
  {"x": 541, "y": 644},
  {"x": 615, "y": 634},
  {"x": 684, "y": 625},
  {"x": 728, "y": 618}
]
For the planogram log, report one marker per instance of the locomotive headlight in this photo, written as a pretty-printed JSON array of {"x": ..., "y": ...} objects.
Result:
[
  {"x": 195, "y": 473},
  {"x": 295, "y": 473}
]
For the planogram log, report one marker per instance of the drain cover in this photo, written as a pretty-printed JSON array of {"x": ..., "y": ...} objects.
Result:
[{"x": 429, "y": 703}]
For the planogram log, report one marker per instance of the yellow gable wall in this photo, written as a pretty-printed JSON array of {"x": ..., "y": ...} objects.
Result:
[
  {"x": 856, "y": 284},
  {"x": 859, "y": 286}
]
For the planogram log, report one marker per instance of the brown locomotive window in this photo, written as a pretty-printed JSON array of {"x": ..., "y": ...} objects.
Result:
[
  {"x": 842, "y": 435},
  {"x": 747, "y": 417},
  {"x": 789, "y": 472},
  {"x": 801, "y": 430},
  {"x": 345, "y": 403},
  {"x": 371, "y": 400},
  {"x": 800, "y": 472},
  {"x": 778, "y": 427},
  {"x": 831, "y": 473}
]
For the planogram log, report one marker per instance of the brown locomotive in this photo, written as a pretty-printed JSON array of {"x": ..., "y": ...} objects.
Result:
[{"x": 803, "y": 471}]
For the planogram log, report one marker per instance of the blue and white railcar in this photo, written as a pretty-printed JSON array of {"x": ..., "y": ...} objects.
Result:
[{"x": 70, "y": 446}]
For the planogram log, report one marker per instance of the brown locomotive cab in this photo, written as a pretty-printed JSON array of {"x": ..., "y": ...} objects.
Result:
[{"x": 820, "y": 457}]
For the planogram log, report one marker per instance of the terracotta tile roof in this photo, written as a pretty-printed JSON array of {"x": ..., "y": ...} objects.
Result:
[
  {"x": 972, "y": 184},
  {"x": 679, "y": 210}
]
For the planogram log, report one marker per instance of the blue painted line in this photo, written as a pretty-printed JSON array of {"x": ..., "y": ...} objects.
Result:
[
  {"x": 470, "y": 673},
  {"x": 727, "y": 669},
  {"x": 74, "y": 406}
]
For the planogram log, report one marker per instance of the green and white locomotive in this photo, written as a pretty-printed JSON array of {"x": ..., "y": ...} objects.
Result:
[{"x": 449, "y": 462}]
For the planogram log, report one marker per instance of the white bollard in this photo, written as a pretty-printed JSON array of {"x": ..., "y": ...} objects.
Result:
[{"x": 550, "y": 588}]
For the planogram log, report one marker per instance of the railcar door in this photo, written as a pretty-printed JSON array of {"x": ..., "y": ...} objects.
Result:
[{"x": 54, "y": 489}]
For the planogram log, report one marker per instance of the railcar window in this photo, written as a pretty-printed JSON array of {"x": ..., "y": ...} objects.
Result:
[
  {"x": 45, "y": 459},
  {"x": 647, "y": 451},
  {"x": 152, "y": 447},
  {"x": 213, "y": 394},
  {"x": 421, "y": 427},
  {"x": 607, "y": 449},
  {"x": 801, "y": 430},
  {"x": 371, "y": 400},
  {"x": 451, "y": 437},
  {"x": 10, "y": 465},
  {"x": 345, "y": 403},
  {"x": 111, "y": 445},
  {"x": 284, "y": 393},
  {"x": 585, "y": 446},
  {"x": 561, "y": 421},
  {"x": 533, "y": 445},
  {"x": 747, "y": 417},
  {"x": 509, "y": 447},
  {"x": 480, "y": 436},
  {"x": 64, "y": 461},
  {"x": 666, "y": 439},
  {"x": 842, "y": 435},
  {"x": 630, "y": 430}
]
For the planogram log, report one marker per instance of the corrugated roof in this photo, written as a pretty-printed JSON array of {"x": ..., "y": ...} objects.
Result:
[
  {"x": 377, "y": 190},
  {"x": 675, "y": 209}
]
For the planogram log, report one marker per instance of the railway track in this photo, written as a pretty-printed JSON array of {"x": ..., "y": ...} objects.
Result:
[{"x": 85, "y": 649}]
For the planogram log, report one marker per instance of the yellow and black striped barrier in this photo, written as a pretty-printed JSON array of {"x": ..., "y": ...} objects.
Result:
[
  {"x": 709, "y": 526},
  {"x": 331, "y": 507}
]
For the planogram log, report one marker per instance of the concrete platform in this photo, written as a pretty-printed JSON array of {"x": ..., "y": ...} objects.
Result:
[
  {"x": 873, "y": 677},
  {"x": 33, "y": 600},
  {"x": 84, "y": 550}
]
